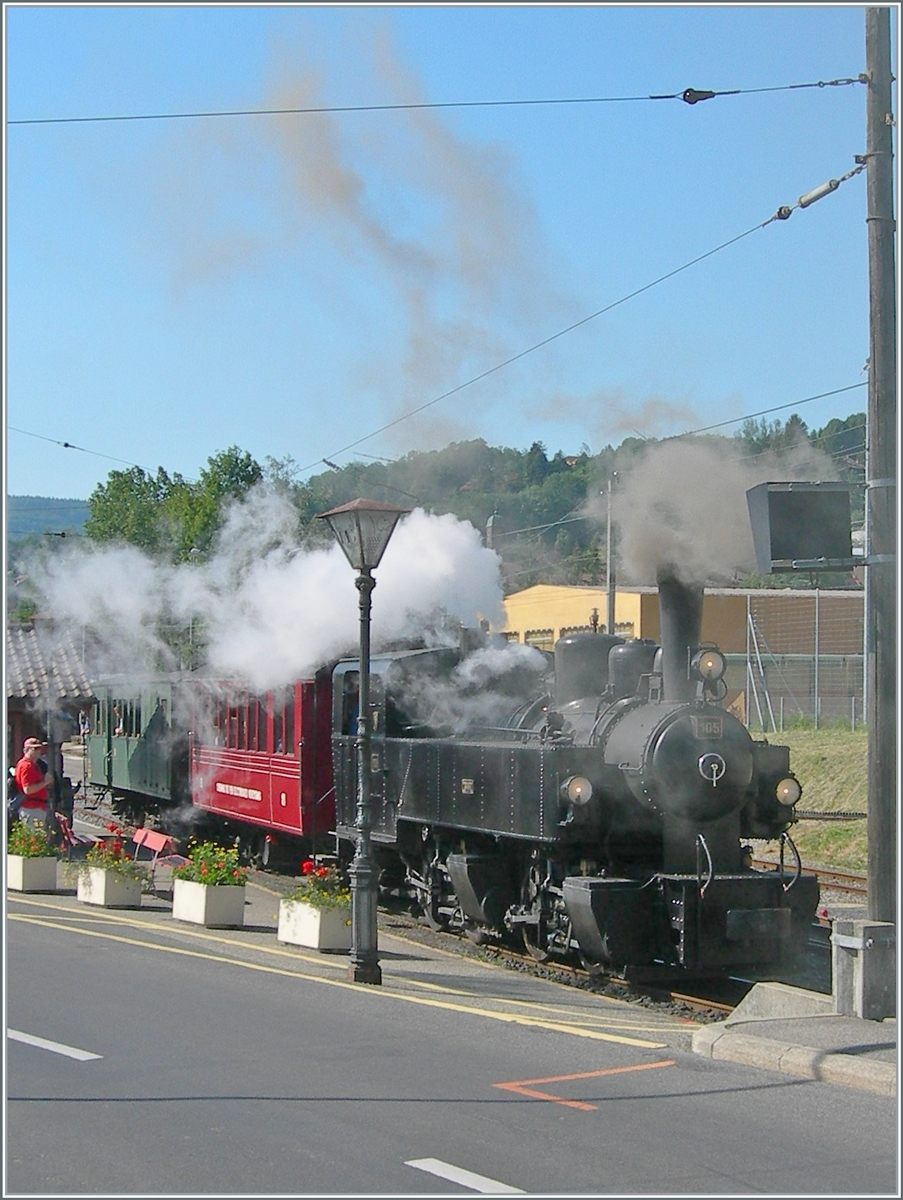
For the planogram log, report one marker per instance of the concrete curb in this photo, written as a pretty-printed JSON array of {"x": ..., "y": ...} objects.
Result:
[{"x": 716, "y": 1041}]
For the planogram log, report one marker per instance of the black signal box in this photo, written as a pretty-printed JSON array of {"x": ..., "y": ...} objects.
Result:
[{"x": 801, "y": 527}]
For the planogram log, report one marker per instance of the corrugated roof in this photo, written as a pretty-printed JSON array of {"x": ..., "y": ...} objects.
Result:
[{"x": 44, "y": 666}]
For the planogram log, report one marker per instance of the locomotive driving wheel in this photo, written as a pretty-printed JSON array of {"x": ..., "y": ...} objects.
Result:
[
  {"x": 535, "y": 933},
  {"x": 430, "y": 894},
  {"x": 250, "y": 849}
]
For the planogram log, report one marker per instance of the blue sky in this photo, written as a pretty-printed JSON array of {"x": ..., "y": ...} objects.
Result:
[{"x": 293, "y": 284}]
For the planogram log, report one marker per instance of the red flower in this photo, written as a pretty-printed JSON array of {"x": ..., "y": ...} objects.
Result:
[
  {"x": 322, "y": 872},
  {"x": 203, "y": 868},
  {"x": 307, "y": 867}
]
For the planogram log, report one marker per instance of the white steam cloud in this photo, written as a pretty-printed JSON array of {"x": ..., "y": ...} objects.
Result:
[
  {"x": 482, "y": 691},
  {"x": 269, "y": 612}
]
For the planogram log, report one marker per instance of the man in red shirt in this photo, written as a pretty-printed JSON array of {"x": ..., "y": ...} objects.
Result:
[{"x": 32, "y": 782}]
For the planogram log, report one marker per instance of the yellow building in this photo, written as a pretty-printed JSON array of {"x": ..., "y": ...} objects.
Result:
[
  {"x": 540, "y": 615},
  {"x": 790, "y": 650}
]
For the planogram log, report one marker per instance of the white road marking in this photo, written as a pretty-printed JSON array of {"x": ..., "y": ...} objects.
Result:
[
  {"x": 469, "y": 1179},
  {"x": 57, "y": 1047}
]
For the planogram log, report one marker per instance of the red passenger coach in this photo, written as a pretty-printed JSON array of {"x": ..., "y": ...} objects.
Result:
[{"x": 262, "y": 764}]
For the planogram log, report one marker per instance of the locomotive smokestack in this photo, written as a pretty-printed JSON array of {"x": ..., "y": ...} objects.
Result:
[{"x": 680, "y": 618}]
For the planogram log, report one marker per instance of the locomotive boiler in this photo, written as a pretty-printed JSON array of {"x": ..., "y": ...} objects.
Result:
[{"x": 607, "y": 815}]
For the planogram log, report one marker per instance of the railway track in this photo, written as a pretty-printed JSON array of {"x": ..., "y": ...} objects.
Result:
[
  {"x": 713, "y": 1004},
  {"x": 847, "y": 882}
]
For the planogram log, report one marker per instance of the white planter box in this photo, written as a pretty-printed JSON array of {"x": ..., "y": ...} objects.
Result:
[
  {"x": 319, "y": 928},
  {"x": 220, "y": 907},
  {"x": 30, "y": 874},
  {"x": 108, "y": 889}
]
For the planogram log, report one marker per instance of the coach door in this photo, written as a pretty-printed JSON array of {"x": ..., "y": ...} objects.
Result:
[{"x": 99, "y": 744}]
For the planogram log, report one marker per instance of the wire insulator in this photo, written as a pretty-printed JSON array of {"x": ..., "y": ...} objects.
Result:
[
  {"x": 824, "y": 189},
  {"x": 693, "y": 97}
]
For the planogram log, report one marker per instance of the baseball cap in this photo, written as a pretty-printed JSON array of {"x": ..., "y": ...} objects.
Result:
[{"x": 34, "y": 744}]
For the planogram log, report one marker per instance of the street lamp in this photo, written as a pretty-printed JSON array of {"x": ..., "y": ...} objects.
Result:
[{"x": 363, "y": 528}]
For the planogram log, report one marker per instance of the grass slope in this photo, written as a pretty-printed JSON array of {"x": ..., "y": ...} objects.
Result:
[{"x": 832, "y": 765}]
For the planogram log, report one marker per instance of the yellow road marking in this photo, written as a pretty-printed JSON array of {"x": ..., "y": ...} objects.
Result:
[
  {"x": 121, "y": 917},
  {"x": 525, "y": 1087},
  {"x": 362, "y": 989}
]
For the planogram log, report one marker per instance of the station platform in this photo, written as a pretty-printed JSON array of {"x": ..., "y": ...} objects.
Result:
[{"x": 777, "y": 1027}]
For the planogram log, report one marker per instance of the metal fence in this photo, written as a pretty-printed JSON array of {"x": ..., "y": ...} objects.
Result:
[{"x": 804, "y": 659}]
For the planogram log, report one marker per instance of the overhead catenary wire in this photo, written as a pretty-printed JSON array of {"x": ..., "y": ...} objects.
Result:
[
  {"x": 688, "y": 95},
  {"x": 778, "y": 408},
  {"x": 536, "y": 346},
  {"x": 781, "y": 214},
  {"x": 335, "y": 466},
  {"x": 71, "y": 446}
]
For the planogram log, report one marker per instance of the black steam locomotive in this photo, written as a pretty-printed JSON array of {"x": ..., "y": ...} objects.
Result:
[{"x": 606, "y": 815}]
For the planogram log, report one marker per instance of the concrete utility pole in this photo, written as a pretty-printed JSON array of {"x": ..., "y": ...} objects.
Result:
[{"x": 881, "y": 495}]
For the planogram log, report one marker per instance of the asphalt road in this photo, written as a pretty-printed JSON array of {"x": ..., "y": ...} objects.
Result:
[{"x": 229, "y": 1064}]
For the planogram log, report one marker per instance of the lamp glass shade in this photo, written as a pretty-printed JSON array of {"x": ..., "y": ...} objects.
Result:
[{"x": 363, "y": 528}]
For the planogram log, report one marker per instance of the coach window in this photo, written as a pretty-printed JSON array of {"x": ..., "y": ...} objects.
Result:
[
  {"x": 254, "y": 724},
  {"x": 290, "y": 721},
  {"x": 218, "y": 721},
  {"x": 284, "y": 721},
  {"x": 243, "y": 713}
]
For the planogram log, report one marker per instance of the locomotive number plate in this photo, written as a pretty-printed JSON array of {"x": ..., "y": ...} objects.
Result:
[{"x": 707, "y": 727}]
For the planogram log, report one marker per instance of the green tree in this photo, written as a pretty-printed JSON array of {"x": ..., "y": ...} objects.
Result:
[
  {"x": 759, "y": 437},
  {"x": 845, "y": 442},
  {"x": 169, "y": 516},
  {"x": 231, "y": 473},
  {"x": 129, "y": 507}
]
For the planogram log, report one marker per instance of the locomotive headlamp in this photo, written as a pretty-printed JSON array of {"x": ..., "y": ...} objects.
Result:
[
  {"x": 788, "y": 791},
  {"x": 577, "y": 790},
  {"x": 709, "y": 665}
]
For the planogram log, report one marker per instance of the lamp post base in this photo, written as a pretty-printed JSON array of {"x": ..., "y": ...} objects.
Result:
[
  {"x": 365, "y": 973},
  {"x": 363, "y": 965}
]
